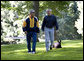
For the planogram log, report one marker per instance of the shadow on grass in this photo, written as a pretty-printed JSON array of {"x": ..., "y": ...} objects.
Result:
[{"x": 69, "y": 51}]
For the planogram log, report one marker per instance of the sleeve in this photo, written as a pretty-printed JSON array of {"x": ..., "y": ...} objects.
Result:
[
  {"x": 37, "y": 25},
  {"x": 43, "y": 24},
  {"x": 56, "y": 24},
  {"x": 24, "y": 26}
]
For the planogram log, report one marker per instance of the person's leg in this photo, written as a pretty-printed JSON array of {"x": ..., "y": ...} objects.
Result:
[
  {"x": 47, "y": 39},
  {"x": 51, "y": 37},
  {"x": 34, "y": 36},
  {"x": 28, "y": 37}
]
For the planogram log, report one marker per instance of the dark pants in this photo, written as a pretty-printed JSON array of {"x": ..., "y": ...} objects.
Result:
[{"x": 34, "y": 38}]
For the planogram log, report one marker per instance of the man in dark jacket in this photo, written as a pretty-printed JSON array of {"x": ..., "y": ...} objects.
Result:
[
  {"x": 48, "y": 25},
  {"x": 31, "y": 28}
]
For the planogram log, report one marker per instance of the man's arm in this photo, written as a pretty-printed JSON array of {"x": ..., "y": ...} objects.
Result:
[
  {"x": 56, "y": 24},
  {"x": 24, "y": 27},
  {"x": 43, "y": 24},
  {"x": 37, "y": 25}
]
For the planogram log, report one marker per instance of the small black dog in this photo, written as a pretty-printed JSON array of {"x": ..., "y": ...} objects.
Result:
[{"x": 57, "y": 44}]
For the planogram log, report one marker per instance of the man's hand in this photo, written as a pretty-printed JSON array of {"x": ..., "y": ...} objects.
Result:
[{"x": 25, "y": 32}]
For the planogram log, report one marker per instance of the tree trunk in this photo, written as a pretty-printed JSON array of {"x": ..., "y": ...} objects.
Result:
[{"x": 36, "y": 8}]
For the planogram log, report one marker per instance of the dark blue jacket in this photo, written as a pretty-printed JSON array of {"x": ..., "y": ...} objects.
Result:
[
  {"x": 49, "y": 22},
  {"x": 28, "y": 28}
]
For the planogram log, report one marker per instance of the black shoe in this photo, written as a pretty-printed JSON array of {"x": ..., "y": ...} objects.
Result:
[{"x": 29, "y": 52}]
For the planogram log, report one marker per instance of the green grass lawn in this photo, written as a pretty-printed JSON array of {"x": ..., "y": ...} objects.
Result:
[{"x": 71, "y": 50}]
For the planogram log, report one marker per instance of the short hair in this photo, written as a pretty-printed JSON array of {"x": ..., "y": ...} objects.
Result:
[
  {"x": 48, "y": 10},
  {"x": 31, "y": 10}
]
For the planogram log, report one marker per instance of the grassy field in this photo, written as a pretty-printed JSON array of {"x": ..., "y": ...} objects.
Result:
[{"x": 71, "y": 50}]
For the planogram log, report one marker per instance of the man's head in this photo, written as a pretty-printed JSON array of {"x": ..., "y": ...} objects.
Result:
[
  {"x": 49, "y": 11},
  {"x": 32, "y": 13}
]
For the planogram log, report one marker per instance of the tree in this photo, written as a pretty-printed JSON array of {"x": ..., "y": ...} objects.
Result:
[
  {"x": 36, "y": 8},
  {"x": 79, "y": 22},
  {"x": 56, "y": 6},
  {"x": 13, "y": 13},
  {"x": 67, "y": 22}
]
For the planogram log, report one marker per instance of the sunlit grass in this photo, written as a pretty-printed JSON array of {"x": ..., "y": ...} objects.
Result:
[{"x": 71, "y": 50}]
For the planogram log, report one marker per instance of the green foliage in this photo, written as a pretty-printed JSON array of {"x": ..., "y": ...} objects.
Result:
[
  {"x": 13, "y": 15},
  {"x": 5, "y": 4},
  {"x": 67, "y": 22},
  {"x": 79, "y": 22},
  {"x": 56, "y": 6}
]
